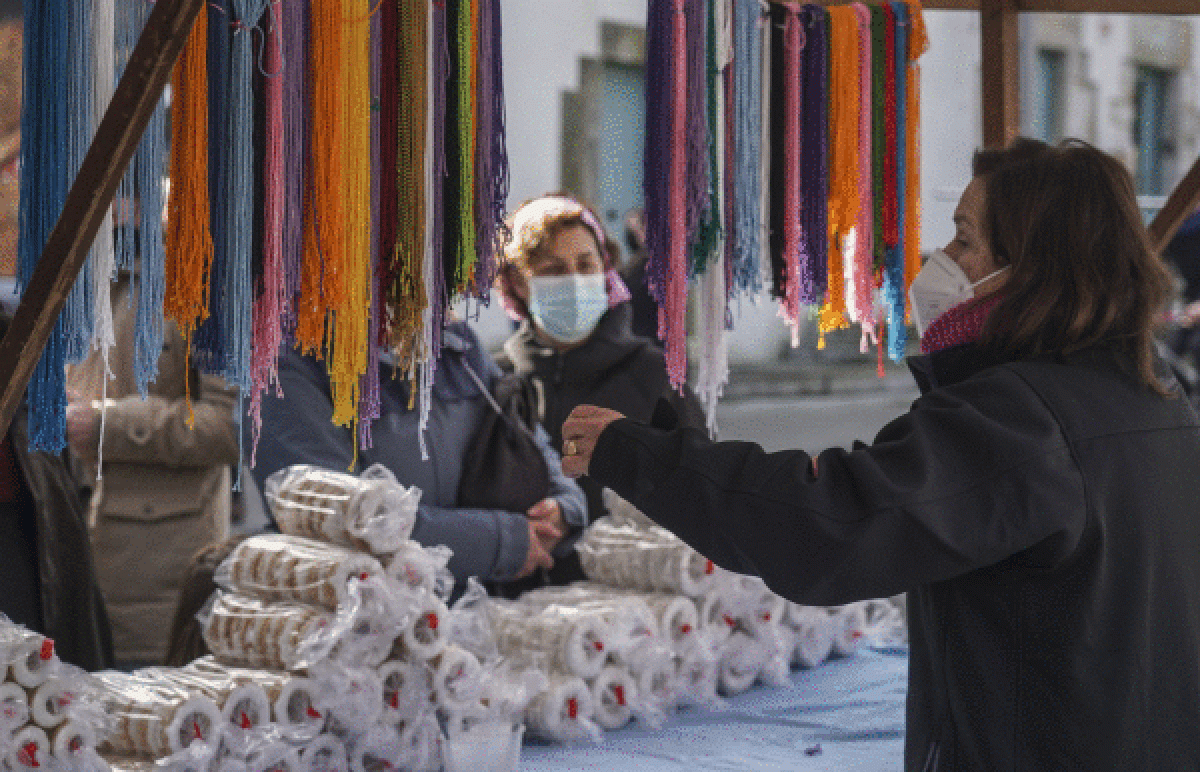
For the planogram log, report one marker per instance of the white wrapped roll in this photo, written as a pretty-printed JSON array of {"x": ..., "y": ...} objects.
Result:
[
  {"x": 70, "y": 739},
  {"x": 696, "y": 675},
  {"x": 31, "y": 749},
  {"x": 33, "y": 660},
  {"x": 630, "y": 621},
  {"x": 247, "y": 631},
  {"x": 196, "y": 719},
  {"x": 717, "y": 616},
  {"x": 376, "y": 747},
  {"x": 274, "y": 757},
  {"x": 48, "y": 706},
  {"x": 677, "y": 617},
  {"x": 574, "y": 641},
  {"x": 294, "y": 705},
  {"x": 614, "y": 692},
  {"x": 457, "y": 680},
  {"x": 421, "y": 742},
  {"x": 655, "y": 677},
  {"x": 426, "y": 637},
  {"x": 628, "y": 557},
  {"x": 813, "y": 634},
  {"x": 325, "y": 753},
  {"x": 849, "y": 624},
  {"x": 407, "y": 690},
  {"x": 560, "y": 709},
  {"x": 247, "y": 707},
  {"x": 421, "y": 568},
  {"x": 277, "y": 567},
  {"x": 742, "y": 659},
  {"x": 14, "y": 707}
]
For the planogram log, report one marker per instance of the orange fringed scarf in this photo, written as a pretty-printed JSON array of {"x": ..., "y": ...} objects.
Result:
[
  {"x": 188, "y": 238},
  {"x": 843, "y": 166}
]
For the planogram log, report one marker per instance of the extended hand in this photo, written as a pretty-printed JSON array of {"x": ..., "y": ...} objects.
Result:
[{"x": 580, "y": 432}]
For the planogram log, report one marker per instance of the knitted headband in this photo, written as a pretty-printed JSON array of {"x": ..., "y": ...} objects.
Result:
[{"x": 530, "y": 220}]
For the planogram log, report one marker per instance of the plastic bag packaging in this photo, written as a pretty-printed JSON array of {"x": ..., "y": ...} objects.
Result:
[
  {"x": 624, "y": 513},
  {"x": 489, "y": 746},
  {"x": 563, "y": 710},
  {"x": 349, "y": 696},
  {"x": 273, "y": 755},
  {"x": 376, "y": 747},
  {"x": 30, "y": 749},
  {"x": 626, "y": 557},
  {"x": 372, "y": 512},
  {"x": 155, "y": 717},
  {"x": 469, "y": 624},
  {"x": 631, "y": 622},
  {"x": 887, "y": 626},
  {"x": 407, "y": 689},
  {"x": 508, "y": 688},
  {"x": 849, "y": 626},
  {"x": 696, "y": 673},
  {"x": 295, "y": 706},
  {"x": 574, "y": 641},
  {"x": 812, "y": 634},
  {"x": 457, "y": 680},
  {"x": 421, "y": 740},
  {"x": 422, "y": 568},
  {"x": 325, "y": 753},
  {"x": 281, "y": 568},
  {"x": 14, "y": 708},
  {"x": 718, "y": 616},
  {"x": 244, "y": 695},
  {"x": 615, "y": 699}
]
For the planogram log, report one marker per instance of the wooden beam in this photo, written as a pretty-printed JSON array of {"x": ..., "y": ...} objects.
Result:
[
  {"x": 1181, "y": 203},
  {"x": 137, "y": 94},
  {"x": 998, "y": 39}
]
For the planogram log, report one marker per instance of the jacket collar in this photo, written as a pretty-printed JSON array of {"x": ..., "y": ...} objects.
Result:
[
  {"x": 611, "y": 342},
  {"x": 949, "y": 366}
]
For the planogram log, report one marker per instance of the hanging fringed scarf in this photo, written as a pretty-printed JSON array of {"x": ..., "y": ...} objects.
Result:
[
  {"x": 878, "y": 33},
  {"x": 139, "y": 237},
  {"x": 862, "y": 273},
  {"x": 672, "y": 315},
  {"x": 814, "y": 156},
  {"x": 43, "y": 189},
  {"x": 104, "y": 79},
  {"x": 188, "y": 238},
  {"x": 491, "y": 154},
  {"x": 271, "y": 299},
  {"x": 656, "y": 160},
  {"x": 779, "y": 150},
  {"x": 844, "y": 180},
  {"x": 746, "y": 140},
  {"x": 295, "y": 16},
  {"x": 918, "y": 44},
  {"x": 699, "y": 149},
  {"x": 77, "y": 317},
  {"x": 894, "y": 286},
  {"x": 792, "y": 53},
  {"x": 369, "y": 405},
  {"x": 707, "y": 234}
]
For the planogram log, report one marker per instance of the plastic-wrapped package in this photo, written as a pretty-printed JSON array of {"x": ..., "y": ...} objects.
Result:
[
  {"x": 31, "y": 749},
  {"x": 717, "y": 613},
  {"x": 325, "y": 753},
  {"x": 563, "y": 711},
  {"x": 407, "y": 689},
  {"x": 614, "y": 697},
  {"x": 507, "y": 692},
  {"x": 574, "y": 641},
  {"x": 696, "y": 672},
  {"x": 491, "y": 746},
  {"x": 812, "y": 633},
  {"x": 849, "y": 626},
  {"x": 278, "y": 567},
  {"x": 70, "y": 739},
  {"x": 627, "y": 557},
  {"x": 295, "y": 705},
  {"x": 742, "y": 658},
  {"x": 14, "y": 708},
  {"x": 422, "y": 568},
  {"x": 30, "y": 657},
  {"x": 48, "y": 704},
  {"x": 155, "y": 717},
  {"x": 887, "y": 625},
  {"x": 350, "y": 696},
  {"x": 425, "y": 636},
  {"x": 372, "y": 512},
  {"x": 279, "y": 636},
  {"x": 457, "y": 679},
  {"x": 242, "y": 694}
]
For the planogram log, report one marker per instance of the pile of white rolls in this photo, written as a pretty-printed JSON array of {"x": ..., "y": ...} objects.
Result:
[{"x": 48, "y": 715}]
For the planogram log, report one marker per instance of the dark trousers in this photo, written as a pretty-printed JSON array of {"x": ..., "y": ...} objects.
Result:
[{"x": 20, "y": 599}]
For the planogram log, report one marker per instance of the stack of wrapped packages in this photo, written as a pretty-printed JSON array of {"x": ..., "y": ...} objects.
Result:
[
  {"x": 330, "y": 646},
  {"x": 50, "y": 717}
]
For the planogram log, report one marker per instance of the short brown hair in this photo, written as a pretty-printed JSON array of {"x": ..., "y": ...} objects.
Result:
[{"x": 1065, "y": 219}]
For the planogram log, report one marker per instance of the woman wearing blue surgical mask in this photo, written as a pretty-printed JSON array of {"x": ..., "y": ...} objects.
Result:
[
  {"x": 575, "y": 342},
  {"x": 1039, "y": 501}
]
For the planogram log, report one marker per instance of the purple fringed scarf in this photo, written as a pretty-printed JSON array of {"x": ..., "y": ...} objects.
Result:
[
  {"x": 814, "y": 156},
  {"x": 699, "y": 193},
  {"x": 656, "y": 163},
  {"x": 295, "y": 148}
]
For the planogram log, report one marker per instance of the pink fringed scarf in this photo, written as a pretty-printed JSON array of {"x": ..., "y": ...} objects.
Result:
[
  {"x": 672, "y": 316},
  {"x": 961, "y": 324},
  {"x": 792, "y": 233},
  {"x": 862, "y": 306}
]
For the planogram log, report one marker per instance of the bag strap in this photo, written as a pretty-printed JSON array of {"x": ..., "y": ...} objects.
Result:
[{"x": 486, "y": 392}]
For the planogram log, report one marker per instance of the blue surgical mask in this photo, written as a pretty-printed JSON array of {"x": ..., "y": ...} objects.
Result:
[{"x": 568, "y": 308}]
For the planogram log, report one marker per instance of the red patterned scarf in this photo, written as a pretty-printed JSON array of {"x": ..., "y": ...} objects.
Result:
[{"x": 961, "y": 324}]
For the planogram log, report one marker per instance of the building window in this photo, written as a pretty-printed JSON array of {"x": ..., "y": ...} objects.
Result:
[
  {"x": 1152, "y": 137},
  {"x": 1049, "y": 94}
]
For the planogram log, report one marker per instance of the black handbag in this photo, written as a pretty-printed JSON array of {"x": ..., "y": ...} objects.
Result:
[{"x": 503, "y": 468}]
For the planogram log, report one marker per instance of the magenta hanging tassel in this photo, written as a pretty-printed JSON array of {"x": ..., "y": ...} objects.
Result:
[{"x": 673, "y": 316}]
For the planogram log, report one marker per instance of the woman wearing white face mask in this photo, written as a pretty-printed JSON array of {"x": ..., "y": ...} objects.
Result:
[
  {"x": 575, "y": 342},
  {"x": 1039, "y": 502}
]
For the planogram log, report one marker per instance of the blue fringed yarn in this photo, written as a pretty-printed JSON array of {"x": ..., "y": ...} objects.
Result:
[
  {"x": 894, "y": 293},
  {"x": 656, "y": 162},
  {"x": 43, "y": 189},
  {"x": 208, "y": 343},
  {"x": 746, "y": 272},
  {"x": 77, "y": 312}
]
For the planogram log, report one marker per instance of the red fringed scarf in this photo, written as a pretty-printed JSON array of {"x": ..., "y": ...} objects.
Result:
[{"x": 961, "y": 324}]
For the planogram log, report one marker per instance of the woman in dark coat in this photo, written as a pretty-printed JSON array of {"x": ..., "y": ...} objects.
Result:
[
  {"x": 574, "y": 342},
  {"x": 1039, "y": 502}
]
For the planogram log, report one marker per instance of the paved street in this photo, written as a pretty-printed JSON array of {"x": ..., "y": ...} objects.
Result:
[{"x": 811, "y": 423}]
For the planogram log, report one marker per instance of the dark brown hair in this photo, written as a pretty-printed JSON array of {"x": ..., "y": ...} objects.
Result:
[
  {"x": 1065, "y": 218},
  {"x": 186, "y": 642}
]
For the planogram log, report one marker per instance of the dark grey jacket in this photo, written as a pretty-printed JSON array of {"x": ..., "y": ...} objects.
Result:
[
  {"x": 1043, "y": 515},
  {"x": 297, "y": 429}
]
